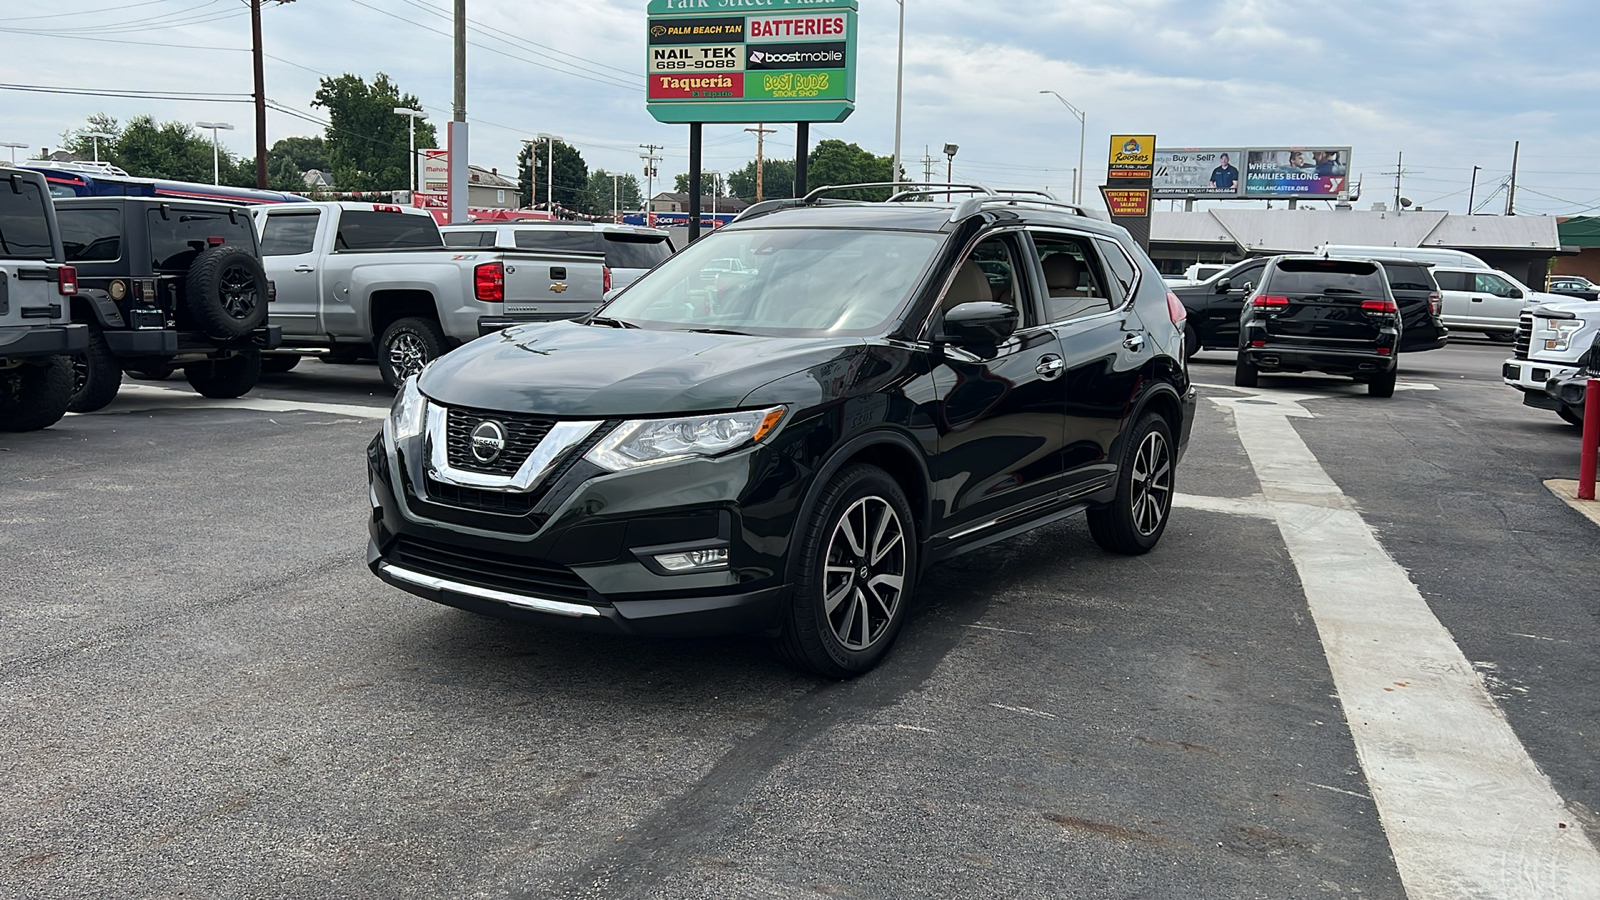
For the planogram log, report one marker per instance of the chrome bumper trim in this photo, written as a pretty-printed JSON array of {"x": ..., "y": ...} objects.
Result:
[{"x": 537, "y": 604}]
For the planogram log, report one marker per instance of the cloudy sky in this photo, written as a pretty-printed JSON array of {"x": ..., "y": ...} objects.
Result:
[{"x": 1450, "y": 83}]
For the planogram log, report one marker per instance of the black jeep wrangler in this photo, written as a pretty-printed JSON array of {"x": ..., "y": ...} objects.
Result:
[{"x": 165, "y": 284}]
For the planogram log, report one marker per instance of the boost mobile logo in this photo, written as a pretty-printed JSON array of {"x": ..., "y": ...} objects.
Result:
[{"x": 756, "y": 56}]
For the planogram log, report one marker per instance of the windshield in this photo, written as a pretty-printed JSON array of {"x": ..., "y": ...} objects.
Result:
[
  {"x": 783, "y": 282},
  {"x": 1334, "y": 276}
]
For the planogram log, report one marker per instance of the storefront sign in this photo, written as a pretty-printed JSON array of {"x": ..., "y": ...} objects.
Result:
[
  {"x": 736, "y": 61},
  {"x": 1132, "y": 156},
  {"x": 1127, "y": 202}
]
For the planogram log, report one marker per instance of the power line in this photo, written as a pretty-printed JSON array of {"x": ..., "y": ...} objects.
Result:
[
  {"x": 129, "y": 94},
  {"x": 512, "y": 39},
  {"x": 88, "y": 12}
]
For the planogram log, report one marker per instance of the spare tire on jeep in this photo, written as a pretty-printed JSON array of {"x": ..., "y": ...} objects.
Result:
[{"x": 226, "y": 292}]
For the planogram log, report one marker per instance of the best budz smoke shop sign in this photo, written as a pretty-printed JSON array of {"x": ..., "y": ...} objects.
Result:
[{"x": 733, "y": 61}]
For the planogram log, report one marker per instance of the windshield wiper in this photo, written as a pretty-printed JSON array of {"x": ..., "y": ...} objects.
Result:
[
  {"x": 718, "y": 331},
  {"x": 1340, "y": 290},
  {"x": 610, "y": 323}
]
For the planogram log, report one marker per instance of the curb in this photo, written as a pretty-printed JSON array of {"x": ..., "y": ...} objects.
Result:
[{"x": 1567, "y": 490}]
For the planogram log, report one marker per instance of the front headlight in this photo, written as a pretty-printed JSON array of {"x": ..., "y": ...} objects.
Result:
[
  {"x": 409, "y": 412},
  {"x": 650, "y": 441},
  {"x": 1564, "y": 330}
]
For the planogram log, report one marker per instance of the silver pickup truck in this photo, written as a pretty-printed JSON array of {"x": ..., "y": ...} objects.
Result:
[
  {"x": 362, "y": 279},
  {"x": 37, "y": 336}
]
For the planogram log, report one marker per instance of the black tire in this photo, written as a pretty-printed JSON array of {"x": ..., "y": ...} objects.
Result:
[
  {"x": 407, "y": 346},
  {"x": 146, "y": 372},
  {"x": 35, "y": 394},
  {"x": 1133, "y": 522},
  {"x": 1191, "y": 341},
  {"x": 852, "y": 636},
  {"x": 1571, "y": 416},
  {"x": 1502, "y": 337},
  {"x": 1245, "y": 373},
  {"x": 279, "y": 363},
  {"x": 225, "y": 379},
  {"x": 1383, "y": 385},
  {"x": 226, "y": 292},
  {"x": 96, "y": 376}
]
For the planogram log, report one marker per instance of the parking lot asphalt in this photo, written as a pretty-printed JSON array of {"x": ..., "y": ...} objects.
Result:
[{"x": 204, "y": 693}]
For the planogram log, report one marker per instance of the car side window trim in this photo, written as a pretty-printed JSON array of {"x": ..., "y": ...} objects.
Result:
[
  {"x": 1089, "y": 246},
  {"x": 926, "y": 331}
]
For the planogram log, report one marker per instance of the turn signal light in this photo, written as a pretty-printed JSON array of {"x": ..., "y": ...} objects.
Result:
[
  {"x": 1269, "y": 300},
  {"x": 1435, "y": 303},
  {"x": 607, "y": 288},
  {"x": 489, "y": 282},
  {"x": 1379, "y": 306},
  {"x": 1175, "y": 308},
  {"x": 67, "y": 281}
]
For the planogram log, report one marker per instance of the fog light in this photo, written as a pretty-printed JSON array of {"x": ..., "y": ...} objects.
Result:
[{"x": 693, "y": 560}]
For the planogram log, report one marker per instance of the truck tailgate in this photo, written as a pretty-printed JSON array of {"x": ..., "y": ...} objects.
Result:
[{"x": 555, "y": 286}]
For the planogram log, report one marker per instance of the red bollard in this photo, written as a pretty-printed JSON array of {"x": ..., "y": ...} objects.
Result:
[{"x": 1591, "y": 440}]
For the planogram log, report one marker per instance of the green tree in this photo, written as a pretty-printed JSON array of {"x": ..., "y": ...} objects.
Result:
[
  {"x": 290, "y": 158},
  {"x": 77, "y": 142},
  {"x": 366, "y": 143},
  {"x": 599, "y": 193},
  {"x": 777, "y": 180},
  {"x": 708, "y": 184},
  {"x": 835, "y": 162},
  {"x": 571, "y": 181}
]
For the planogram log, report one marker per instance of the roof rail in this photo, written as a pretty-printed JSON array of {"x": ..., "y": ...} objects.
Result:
[
  {"x": 1011, "y": 198},
  {"x": 93, "y": 168},
  {"x": 917, "y": 187}
]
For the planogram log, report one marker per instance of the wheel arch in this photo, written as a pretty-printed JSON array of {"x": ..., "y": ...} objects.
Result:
[
  {"x": 896, "y": 454},
  {"x": 390, "y": 305}
]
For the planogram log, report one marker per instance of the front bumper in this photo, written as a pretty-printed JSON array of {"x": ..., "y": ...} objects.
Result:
[
  {"x": 49, "y": 340},
  {"x": 1531, "y": 375},
  {"x": 1297, "y": 358},
  {"x": 582, "y": 555}
]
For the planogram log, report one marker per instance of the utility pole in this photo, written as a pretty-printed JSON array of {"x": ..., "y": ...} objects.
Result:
[
  {"x": 1511, "y": 194},
  {"x": 650, "y": 159},
  {"x": 616, "y": 208},
  {"x": 927, "y": 166},
  {"x": 1398, "y": 170},
  {"x": 261, "y": 91},
  {"x": 761, "y": 131},
  {"x": 1472, "y": 188}
]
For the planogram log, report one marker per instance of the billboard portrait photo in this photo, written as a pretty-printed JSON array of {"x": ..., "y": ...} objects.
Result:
[
  {"x": 1304, "y": 172},
  {"x": 1199, "y": 172}
]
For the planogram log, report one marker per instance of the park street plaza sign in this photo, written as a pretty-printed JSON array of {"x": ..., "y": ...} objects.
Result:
[{"x": 736, "y": 61}]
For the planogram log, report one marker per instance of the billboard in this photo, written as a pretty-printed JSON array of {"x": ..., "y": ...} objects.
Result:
[
  {"x": 1251, "y": 173},
  {"x": 1303, "y": 172},
  {"x": 1199, "y": 172},
  {"x": 737, "y": 61}
]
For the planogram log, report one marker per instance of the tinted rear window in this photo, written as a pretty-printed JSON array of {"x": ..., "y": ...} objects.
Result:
[
  {"x": 1453, "y": 281},
  {"x": 289, "y": 234},
  {"x": 469, "y": 239},
  {"x": 1408, "y": 278},
  {"x": 182, "y": 234},
  {"x": 623, "y": 251},
  {"x": 24, "y": 226},
  {"x": 1315, "y": 276},
  {"x": 90, "y": 235},
  {"x": 361, "y": 230}
]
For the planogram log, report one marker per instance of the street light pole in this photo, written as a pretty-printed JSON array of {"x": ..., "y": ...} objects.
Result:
[
  {"x": 412, "y": 115},
  {"x": 616, "y": 207},
  {"x": 550, "y": 170},
  {"x": 1472, "y": 188},
  {"x": 96, "y": 136},
  {"x": 949, "y": 164},
  {"x": 1083, "y": 129},
  {"x": 899, "y": 89},
  {"x": 216, "y": 167},
  {"x": 14, "y": 148}
]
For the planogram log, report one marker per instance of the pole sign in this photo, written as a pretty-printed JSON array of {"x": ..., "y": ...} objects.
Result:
[
  {"x": 1132, "y": 158},
  {"x": 1130, "y": 169},
  {"x": 737, "y": 61}
]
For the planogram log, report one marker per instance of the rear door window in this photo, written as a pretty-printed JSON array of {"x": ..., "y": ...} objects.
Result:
[
  {"x": 1453, "y": 281},
  {"x": 24, "y": 226},
  {"x": 1074, "y": 277},
  {"x": 1332, "y": 276},
  {"x": 289, "y": 234},
  {"x": 377, "y": 230},
  {"x": 469, "y": 239},
  {"x": 179, "y": 235},
  {"x": 90, "y": 235}
]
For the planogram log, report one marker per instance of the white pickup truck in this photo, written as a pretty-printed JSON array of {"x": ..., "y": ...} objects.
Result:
[
  {"x": 360, "y": 279},
  {"x": 1552, "y": 345}
]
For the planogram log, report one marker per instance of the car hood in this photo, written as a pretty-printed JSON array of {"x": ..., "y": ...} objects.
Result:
[
  {"x": 1557, "y": 300},
  {"x": 583, "y": 371},
  {"x": 1584, "y": 309}
]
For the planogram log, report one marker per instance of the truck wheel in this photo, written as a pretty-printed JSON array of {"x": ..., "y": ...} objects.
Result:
[
  {"x": 1571, "y": 416},
  {"x": 278, "y": 363},
  {"x": 226, "y": 292},
  {"x": 35, "y": 394},
  {"x": 96, "y": 377},
  {"x": 857, "y": 565},
  {"x": 1383, "y": 385},
  {"x": 407, "y": 346},
  {"x": 1133, "y": 522},
  {"x": 225, "y": 379}
]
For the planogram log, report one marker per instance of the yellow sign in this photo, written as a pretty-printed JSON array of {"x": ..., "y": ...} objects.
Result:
[{"x": 1132, "y": 156}]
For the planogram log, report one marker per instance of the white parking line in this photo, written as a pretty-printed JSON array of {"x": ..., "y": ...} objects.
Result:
[
  {"x": 149, "y": 397},
  {"x": 1467, "y": 812}
]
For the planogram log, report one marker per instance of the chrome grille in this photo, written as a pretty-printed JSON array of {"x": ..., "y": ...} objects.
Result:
[
  {"x": 1524, "y": 336},
  {"x": 1593, "y": 370},
  {"x": 523, "y": 434}
]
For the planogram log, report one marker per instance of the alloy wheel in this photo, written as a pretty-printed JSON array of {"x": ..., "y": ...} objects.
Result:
[
  {"x": 865, "y": 570},
  {"x": 1151, "y": 487},
  {"x": 407, "y": 355},
  {"x": 80, "y": 372},
  {"x": 238, "y": 290}
]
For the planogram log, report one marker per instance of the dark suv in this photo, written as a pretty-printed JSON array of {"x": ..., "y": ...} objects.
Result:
[
  {"x": 165, "y": 284},
  {"x": 1320, "y": 314},
  {"x": 783, "y": 447}
]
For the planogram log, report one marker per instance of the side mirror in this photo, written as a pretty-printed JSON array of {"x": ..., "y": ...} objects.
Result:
[
  {"x": 1516, "y": 293},
  {"x": 980, "y": 323},
  {"x": 1223, "y": 284},
  {"x": 1248, "y": 286}
]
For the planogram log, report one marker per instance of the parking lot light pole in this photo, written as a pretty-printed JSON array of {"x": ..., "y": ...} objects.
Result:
[
  {"x": 550, "y": 169},
  {"x": 216, "y": 167},
  {"x": 1083, "y": 128},
  {"x": 14, "y": 148},
  {"x": 412, "y": 115},
  {"x": 97, "y": 137},
  {"x": 899, "y": 89}
]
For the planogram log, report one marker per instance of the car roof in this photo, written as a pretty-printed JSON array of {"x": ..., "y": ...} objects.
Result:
[
  {"x": 151, "y": 201},
  {"x": 545, "y": 225},
  {"x": 916, "y": 216}
]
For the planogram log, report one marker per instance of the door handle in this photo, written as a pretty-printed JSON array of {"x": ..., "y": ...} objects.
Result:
[
  {"x": 304, "y": 269},
  {"x": 1134, "y": 342},
  {"x": 1050, "y": 367},
  {"x": 1477, "y": 299}
]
